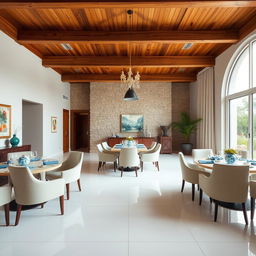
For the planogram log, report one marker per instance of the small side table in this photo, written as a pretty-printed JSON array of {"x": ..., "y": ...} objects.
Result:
[{"x": 166, "y": 142}]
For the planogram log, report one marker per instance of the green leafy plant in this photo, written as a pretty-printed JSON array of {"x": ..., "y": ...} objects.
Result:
[
  {"x": 186, "y": 126},
  {"x": 230, "y": 151}
]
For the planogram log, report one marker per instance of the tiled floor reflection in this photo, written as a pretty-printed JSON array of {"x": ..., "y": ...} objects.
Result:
[{"x": 116, "y": 216}]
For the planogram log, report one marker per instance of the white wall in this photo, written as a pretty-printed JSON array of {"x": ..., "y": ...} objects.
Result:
[
  {"x": 221, "y": 68},
  {"x": 32, "y": 126},
  {"x": 22, "y": 76}
]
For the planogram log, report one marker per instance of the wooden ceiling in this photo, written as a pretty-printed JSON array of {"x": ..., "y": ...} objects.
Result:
[{"x": 102, "y": 36}]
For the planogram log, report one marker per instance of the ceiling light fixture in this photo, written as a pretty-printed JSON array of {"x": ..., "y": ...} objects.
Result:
[
  {"x": 130, "y": 81},
  {"x": 187, "y": 46},
  {"x": 67, "y": 47}
]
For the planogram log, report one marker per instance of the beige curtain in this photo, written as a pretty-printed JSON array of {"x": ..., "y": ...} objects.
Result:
[{"x": 205, "y": 135}]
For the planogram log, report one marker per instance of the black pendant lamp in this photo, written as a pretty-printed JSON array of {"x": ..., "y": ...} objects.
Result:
[{"x": 130, "y": 95}]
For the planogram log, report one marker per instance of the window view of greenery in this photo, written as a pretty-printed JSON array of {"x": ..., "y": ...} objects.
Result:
[{"x": 239, "y": 123}]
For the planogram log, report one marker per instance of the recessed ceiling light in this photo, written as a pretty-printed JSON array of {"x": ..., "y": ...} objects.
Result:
[
  {"x": 67, "y": 47},
  {"x": 187, "y": 46}
]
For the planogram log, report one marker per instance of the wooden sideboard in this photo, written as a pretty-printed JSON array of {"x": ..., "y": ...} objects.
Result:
[
  {"x": 4, "y": 151},
  {"x": 166, "y": 142},
  {"x": 147, "y": 141}
]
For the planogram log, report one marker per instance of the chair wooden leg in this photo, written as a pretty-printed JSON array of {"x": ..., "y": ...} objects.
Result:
[
  {"x": 182, "y": 186},
  {"x": 67, "y": 191},
  {"x": 136, "y": 172},
  {"x": 198, "y": 187},
  {"x": 121, "y": 173},
  {"x": 200, "y": 196},
  {"x": 79, "y": 185},
  {"x": 193, "y": 192},
  {"x": 42, "y": 205},
  {"x": 245, "y": 213},
  {"x": 115, "y": 166},
  {"x": 7, "y": 214},
  {"x": 210, "y": 200},
  {"x": 99, "y": 166},
  {"x": 19, "y": 208},
  {"x": 62, "y": 205},
  {"x": 141, "y": 165},
  {"x": 252, "y": 207},
  {"x": 216, "y": 211}
]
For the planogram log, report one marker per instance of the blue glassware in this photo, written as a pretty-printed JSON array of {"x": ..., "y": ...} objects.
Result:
[
  {"x": 24, "y": 161},
  {"x": 230, "y": 158}
]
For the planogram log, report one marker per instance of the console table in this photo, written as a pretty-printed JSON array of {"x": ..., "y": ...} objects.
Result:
[
  {"x": 147, "y": 141},
  {"x": 166, "y": 142},
  {"x": 4, "y": 151}
]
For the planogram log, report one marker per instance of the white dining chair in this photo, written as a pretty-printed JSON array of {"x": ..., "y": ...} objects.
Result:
[
  {"x": 70, "y": 171},
  {"x": 129, "y": 159},
  {"x": 152, "y": 146},
  {"x": 5, "y": 199},
  {"x": 200, "y": 154},
  {"x": 151, "y": 156},
  {"x": 227, "y": 183},
  {"x": 105, "y": 157},
  {"x": 106, "y": 146},
  {"x": 31, "y": 191},
  {"x": 190, "y": 173}
]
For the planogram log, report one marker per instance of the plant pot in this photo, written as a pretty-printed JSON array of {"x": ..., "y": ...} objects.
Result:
[{"x": 186, "y": 148}]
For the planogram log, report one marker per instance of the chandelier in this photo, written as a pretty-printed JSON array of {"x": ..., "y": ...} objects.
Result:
[{"x": 130, "y": 81}]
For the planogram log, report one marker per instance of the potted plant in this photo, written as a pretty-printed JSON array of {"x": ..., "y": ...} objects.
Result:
[
  {"x": 230, "y": 155},
  {"x": 186, "y": 126}
]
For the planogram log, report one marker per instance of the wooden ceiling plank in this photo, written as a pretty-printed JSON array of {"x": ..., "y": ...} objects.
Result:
[
  {"x": 64, "y": 4},
  {"x": 42, "y": 37},
  {"x": 123, "y": 61},
  {"x": 248, "y": 28},
  {"x": 116, "y": 77}
]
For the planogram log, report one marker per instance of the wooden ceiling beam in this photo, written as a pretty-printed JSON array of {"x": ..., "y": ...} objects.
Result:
[
  {"x": 64, "y": 4},
  {"x": 75, "y": 78},
  {"x": 109, "y": 37},
  {"x": 247, "y": 28},
  {"x": 124, "y": 61}
]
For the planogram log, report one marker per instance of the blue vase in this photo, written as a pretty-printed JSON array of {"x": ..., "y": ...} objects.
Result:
[
  {"x": 14, "y": 141},
  {"x": 230, "y": 158},
  {"x": 24, "y": 161}
]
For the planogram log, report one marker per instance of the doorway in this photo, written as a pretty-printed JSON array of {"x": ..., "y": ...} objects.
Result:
[
  {"x": 80, "y": 130},
  {"x": 32, "y": 125},
  {"x": 65, "y": 130}
]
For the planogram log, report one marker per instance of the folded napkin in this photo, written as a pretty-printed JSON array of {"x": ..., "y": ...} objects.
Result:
[
  {"x": 2, "y": 166},
  {"x": 215, "y": 158},
  {"x": 49, "y": 162},
  {"x": 140, "y": 146},
  {"x": 35, "y": 159},
  {"x": 118, "y": 146},
  {"x": 205, "y": 161}
]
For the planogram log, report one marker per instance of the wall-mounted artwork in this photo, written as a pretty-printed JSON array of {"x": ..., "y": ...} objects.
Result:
[
  {"x": 54, "y": 124},
  {"x": 132, "y": 123},
  {"x": 5, "y": 121}
]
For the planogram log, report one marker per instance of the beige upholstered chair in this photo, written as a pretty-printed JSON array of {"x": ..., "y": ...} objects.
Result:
[
  {"x": 106, "y": 146},
  {"x": 227, "y": 183},
  {"x": 5, "y": 199},
  {"x": 129, "y": 159},
  {"x": 190, "y": 173},
  {"x": 105, "y": 157},
  {"x": 70, "y": 170},
  {"x": 199, "y": 154},
  {"x": 253, "y": 193},
  {"x": 29, "y": 190},
  {"x": 152, "y": 156},
  {"x": 152, "y": 146}
]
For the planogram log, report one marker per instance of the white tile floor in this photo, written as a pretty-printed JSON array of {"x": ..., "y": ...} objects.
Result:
[{"x": 114, "y": 216}]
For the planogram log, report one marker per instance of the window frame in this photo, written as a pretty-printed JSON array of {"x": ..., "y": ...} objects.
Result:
[{"x": 248, "y": 92}]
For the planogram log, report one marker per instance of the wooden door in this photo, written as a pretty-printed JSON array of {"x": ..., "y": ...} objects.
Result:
[{"x": 65, "y": 130}]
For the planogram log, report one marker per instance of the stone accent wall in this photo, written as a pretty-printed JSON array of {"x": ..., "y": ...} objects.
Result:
[
  {"x": 80, "y": 96},
  {"x": 107, "y": 105},
  {"x": 180, "y": 103}
]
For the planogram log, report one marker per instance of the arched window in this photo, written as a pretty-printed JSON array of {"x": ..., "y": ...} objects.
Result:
[{"x": 241, "y": 100}]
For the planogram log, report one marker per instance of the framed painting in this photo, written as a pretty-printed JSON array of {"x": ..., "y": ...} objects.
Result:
[
  {"x": 5, "y": 121},
  {"x": 54, "y": 124},
  {"x": 132, "y": 123}
]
